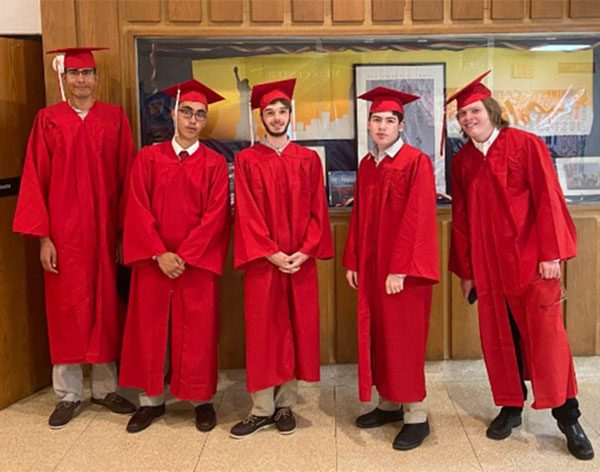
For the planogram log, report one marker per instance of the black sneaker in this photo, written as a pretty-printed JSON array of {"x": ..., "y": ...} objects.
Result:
[
  {"x": 285, "y": 421},
  {"x": 503, "y": 424},
  {"x": 378, "y": 417},
  {"x": 115, "y": 403},
  {"x": 250, "y": 425},
  {"x": 62, "y": 414}
]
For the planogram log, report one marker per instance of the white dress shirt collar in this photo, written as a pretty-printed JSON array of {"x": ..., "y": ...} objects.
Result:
[
  {"x": 484, "y": 147},
  {"x": 178, "y": 149}
]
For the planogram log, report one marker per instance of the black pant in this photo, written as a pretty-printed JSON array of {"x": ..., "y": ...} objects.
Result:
[{"x": 568, "y": 412}]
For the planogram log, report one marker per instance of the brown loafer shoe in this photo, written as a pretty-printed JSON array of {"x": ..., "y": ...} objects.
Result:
[
  {"x": 62, "y": 414},
  {"x": 115, "y": 403},
  {"x": 144, "y": 418},
  {"x": 206, "y": 417},
  {"x": 378, "y": 417}
]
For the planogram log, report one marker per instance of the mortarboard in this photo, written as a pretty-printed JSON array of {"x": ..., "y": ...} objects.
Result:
[
  {"x": 386, "y": 99},
  {"x": 471, "y": 92},
  {"x": 78, "y": 58},
  {"x": 193, "y": 91},
  {"x": 263, "y": 94}
]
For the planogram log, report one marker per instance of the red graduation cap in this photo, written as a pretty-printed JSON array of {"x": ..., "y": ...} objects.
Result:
[
  {"x": 471, "y": 92},
  {"x": 193, "y": 91},
  {"x": 78, "y": 58},
  {"x": 263, "y": 94},
  {"x": 386, "y": 99}
]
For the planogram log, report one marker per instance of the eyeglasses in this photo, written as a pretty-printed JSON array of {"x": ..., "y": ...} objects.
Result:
[
  {"x": 78, "y": 72},
  {"x": 563, "y": 297},
  {"x": 188, "y": 113}
]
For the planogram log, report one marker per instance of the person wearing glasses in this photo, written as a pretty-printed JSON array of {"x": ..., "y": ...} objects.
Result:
[
  {"x": 281, "y": 226},
  {"x": 510, "y": 230},
  {"x": 176, "y": 237},
  {"x": 71, "y": 198}
]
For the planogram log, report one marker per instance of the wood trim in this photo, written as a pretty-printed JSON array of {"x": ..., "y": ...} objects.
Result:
[
  {"x": 184, "y": 10},
  {"x": 467, "y": 10},
  {"x": 386, "y": 10}
]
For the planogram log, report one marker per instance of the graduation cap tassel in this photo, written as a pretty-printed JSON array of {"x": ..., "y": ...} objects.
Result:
[
  {"x": 58, "y": 64},
  {"x": 250, "y": 123},
  {"x": 292, "y": 133},
  {"x": 176, "y": 110},
  {"x": 444, "y": 131}
]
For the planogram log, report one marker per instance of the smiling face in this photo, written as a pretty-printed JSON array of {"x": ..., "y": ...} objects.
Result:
[
  {"x": 80, "y": 83},
  {"x": 385, "y": 128},
  {"x": 191, "y": 119},
  {"x": 475, "y": 121},
  {"x": 276, "y": 118}
]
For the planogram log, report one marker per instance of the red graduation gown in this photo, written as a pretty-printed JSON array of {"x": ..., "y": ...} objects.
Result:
[
  {"x": 72, "y": 191},
  {"x": 181, "y": 207},
  {"x": 393, "y": 230},
  {"x": 280, "y": 206},
  {"x": 509, "y": 214}
]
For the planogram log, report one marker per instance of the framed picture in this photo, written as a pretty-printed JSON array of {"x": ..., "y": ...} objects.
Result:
[
  {"x": 320, "y": 150},
  {"x": 341, "y": 188},
  {"x": 423, "y": 119},
  {"x": 579, "y": 175}
]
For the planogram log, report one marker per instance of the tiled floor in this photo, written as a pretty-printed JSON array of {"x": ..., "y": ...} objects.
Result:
[{"x": 326, "y": 440}]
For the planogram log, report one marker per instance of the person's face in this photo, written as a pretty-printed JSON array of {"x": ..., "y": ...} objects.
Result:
[
  {"x": 191, "y": 119},
  {"x": 80, "y": 83},
  {"x": 276, "y": 119},
  {"x": 384, "y": 128},
  {"x": 475, "y": 121}
]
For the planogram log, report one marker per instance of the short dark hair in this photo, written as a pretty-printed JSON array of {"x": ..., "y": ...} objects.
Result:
[{"x": 397, "y": 114}]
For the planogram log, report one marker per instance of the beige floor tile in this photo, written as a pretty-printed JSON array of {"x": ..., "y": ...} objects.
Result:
[
  {"x": 446, "y": 449},
  {"x": 26, "y": 441},
  {"x": 587, "y": 367},
  {"x": 537, "y": 445},
  {"x": 589, "y": 402},
  {"x": 171, "y": 443},
  {"x": 310, "y": 448}
]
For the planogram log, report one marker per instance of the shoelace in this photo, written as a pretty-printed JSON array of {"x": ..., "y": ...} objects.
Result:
[
  {"x": 64, "y": 405},
  {"x": 250, "y": 419},
  {"x": 282, "y": 413}
]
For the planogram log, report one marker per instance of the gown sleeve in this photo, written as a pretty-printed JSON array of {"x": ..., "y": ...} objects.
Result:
[
  {"x": 350, "y": 260},
  {"x": 31, "y": 215},
  {"x": 556, "y": 232},
  {"x": 141, "y": 239},
  {"x": 205, "y": 247},
  {"x": 317, "y": 241},
  {"x": 252, "y": 238},
  {"x": 126, "y": 154},
  {"x": 415, "y": 251},
  {"x": 460, "y": 246}
]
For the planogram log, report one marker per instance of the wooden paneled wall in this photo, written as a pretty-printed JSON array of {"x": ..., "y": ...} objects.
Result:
[
  {"x": 24, "y": 356},
  {"x": 116, "y": 23},
  {"x": 454, "y": 329}
]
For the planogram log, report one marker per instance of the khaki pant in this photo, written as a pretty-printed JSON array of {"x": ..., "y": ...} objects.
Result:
[
  {"x": 413, "y": 412},
  {"x": 265, "y": 401},
  {"x": 67, "y": 381},
  {"x": 158, "y": 400}
]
